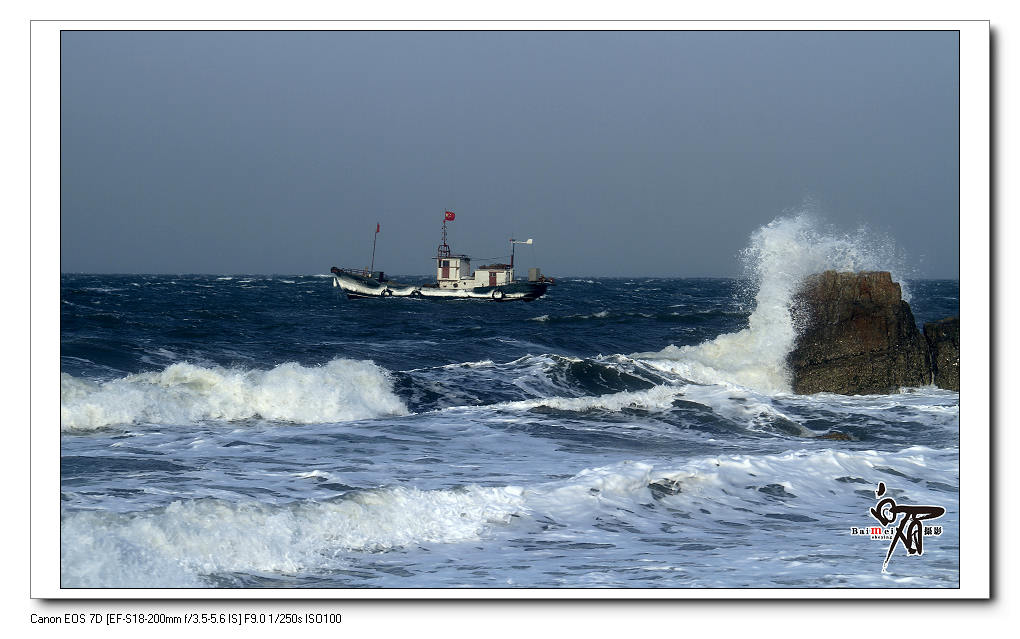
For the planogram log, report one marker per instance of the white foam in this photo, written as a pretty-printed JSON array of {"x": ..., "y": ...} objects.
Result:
[
  {"x": 315, "y": 474},
  {"x": 179, "y": 544},
  {"x": 745, "y": 407},
  {"x": 814, "y": 476},
  {"x": 656, "y": 398},
  {"x": 781, "y": 254},
  {"x": 175, "y": 545},
  {"x": 821, "y": 484},
  {"x": 183, "y": 393}
]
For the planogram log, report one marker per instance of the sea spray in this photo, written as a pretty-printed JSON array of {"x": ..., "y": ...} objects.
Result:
[
  {"x": 184, "y": 393},
  {"x": 780, "y": 255}
]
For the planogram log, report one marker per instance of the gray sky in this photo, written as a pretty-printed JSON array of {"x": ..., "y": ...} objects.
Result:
[{"x": 620, "y": 153}]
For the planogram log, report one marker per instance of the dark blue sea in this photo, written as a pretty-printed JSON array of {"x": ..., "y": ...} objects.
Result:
[{"x": 250, "y": 431}]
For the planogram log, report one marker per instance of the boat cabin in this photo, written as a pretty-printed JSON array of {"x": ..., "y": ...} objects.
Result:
[
  {"x": 449, "y": 269},
  {"x": 493, "y": 275},
  {"x": 454, "y": 271}
]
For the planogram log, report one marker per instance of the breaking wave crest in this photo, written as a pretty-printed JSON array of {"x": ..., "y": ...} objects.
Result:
[
  {"x": 183, "y": 393},
  {"x": 208, "y": 536},
  {"x": 780, "y": 256}
]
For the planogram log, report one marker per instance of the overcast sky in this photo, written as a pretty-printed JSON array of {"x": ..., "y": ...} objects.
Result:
[{"x": 620, "y": 153}]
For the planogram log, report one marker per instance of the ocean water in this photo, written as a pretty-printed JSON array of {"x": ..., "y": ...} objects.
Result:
[{"x": 248, "y": 431}]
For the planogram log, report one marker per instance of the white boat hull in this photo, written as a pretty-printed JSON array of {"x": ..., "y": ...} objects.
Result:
[{"x": 359, "y": 286}]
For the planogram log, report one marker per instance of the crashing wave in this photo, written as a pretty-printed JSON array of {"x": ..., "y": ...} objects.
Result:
[
  {"x": 341, "y": 390},
  {"x": 781, "y": 254}
]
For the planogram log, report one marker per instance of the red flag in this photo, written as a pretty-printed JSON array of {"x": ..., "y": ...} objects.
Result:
[
  {"x": 450, "y": 215},
  {"x": 376, "y": 227}
]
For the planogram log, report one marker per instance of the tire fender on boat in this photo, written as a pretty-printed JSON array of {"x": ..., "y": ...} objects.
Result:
[
  {"x": 415, "y": 293},
  {"x": 498, "y": 294},
  {"x": 386, "y": 293}
]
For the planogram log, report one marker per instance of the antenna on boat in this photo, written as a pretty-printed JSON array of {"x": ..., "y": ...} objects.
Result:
[{"x": 512, "y": 243}]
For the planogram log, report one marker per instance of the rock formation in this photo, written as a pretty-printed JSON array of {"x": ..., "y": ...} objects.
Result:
[
  {"x": 836, "y": 436},
  {"x": 943, "y": 339},
  {"x": 857, "y": 336}
]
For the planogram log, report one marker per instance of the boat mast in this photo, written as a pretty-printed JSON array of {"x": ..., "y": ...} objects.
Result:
[
  {"x": 444, "y": 248},
  {"x": 374, "y": 238}
]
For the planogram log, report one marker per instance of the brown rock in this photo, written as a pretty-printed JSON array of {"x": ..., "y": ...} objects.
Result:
[
  {"x": 837, "y": 436},
  {"x": 857, "y": 336},
  {"x": 943, "y": 339}
]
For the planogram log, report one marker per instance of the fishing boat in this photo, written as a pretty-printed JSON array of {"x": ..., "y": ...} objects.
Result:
[{"x": 455, "y": 278}]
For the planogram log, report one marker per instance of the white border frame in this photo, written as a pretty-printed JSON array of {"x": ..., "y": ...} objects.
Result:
[{"x": 975, "y": 407}]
